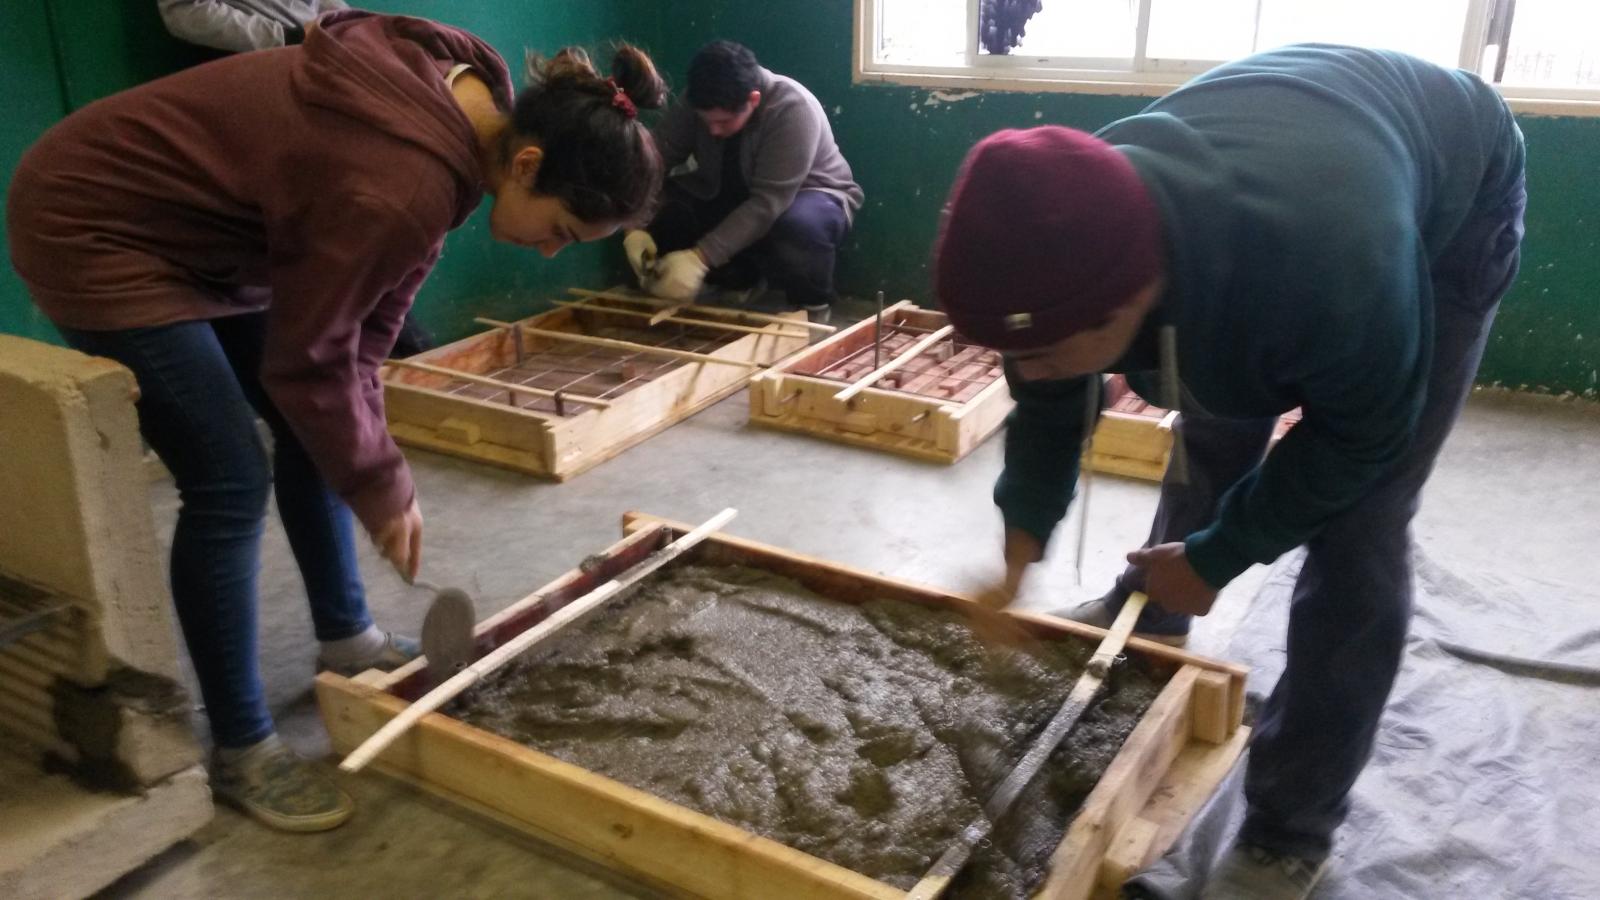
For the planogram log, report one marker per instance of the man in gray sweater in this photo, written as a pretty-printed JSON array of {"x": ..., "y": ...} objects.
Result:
[{"x": 757, "y": 187}]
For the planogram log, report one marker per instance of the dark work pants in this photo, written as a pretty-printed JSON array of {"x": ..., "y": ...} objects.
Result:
[
  {"x": 796, "y": 255},
  {"x": 1352, "y": 603},
  {"x": 198, "y": 401}
]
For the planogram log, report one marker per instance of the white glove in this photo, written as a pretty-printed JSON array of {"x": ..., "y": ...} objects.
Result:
[
  {"x": 641, "y": 250},
  {"x": 679, "y": 275}
]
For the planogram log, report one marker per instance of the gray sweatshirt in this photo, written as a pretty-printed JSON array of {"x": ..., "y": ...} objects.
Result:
[
  {"x": 239, "y": 25},
  {"x": 786, "y": 148}
]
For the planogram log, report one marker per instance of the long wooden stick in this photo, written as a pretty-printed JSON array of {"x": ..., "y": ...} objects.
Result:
[
  {"x": 444, "y": 693},
  {"x": 511, "y": 386},
  {"x": 948, "y": 865},
  {"x": 917, "y": 349},
  {"x": 708, "y": 310},
  {"x": 654, "y": 320},
  {"x": 619, "y": 345}
]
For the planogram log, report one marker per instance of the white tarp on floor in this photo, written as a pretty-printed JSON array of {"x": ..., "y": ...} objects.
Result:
[{"x": 1485, "y": 782}]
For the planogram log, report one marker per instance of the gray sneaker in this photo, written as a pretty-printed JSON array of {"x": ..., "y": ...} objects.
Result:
[
  {"x": 821, "y": 314},
  {"x": 397, "y": 650},
  {"x": 1098, "y": 613},
  {"x": 272, "y": 785},
  {"x": 1249, "y": 872}
]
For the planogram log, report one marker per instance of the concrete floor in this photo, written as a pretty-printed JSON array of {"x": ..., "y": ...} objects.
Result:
[{"x": 501, "y": 535}]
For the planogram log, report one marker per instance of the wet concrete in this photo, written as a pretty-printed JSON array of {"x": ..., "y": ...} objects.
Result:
[
  {"x": 502, "y": 535},
  {"x": 865, "y": 735}
]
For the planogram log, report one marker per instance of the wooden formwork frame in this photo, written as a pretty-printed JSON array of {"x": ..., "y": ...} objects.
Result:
[
  {"x": 1171, "y": 763},
  {"x": 1135, "y": 439},
  {"x": 474, "y": 399},
  {"x": 866, "y": 411}
]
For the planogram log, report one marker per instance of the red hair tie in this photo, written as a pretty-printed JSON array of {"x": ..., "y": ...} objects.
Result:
[{"x": 620, "y": 99}]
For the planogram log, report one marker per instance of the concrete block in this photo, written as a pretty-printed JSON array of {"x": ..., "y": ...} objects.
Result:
[
  {"x": 74, "y": 504},
  {"x": 59, "y": 840}
]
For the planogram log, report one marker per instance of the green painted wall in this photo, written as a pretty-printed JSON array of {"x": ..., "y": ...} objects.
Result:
[
  {"x": 905, "y": 145},
  {"x": 35, "y": 100},
  {"x": 62, "y": 54}
]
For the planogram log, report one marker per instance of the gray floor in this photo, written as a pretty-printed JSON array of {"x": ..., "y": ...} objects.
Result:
[{"x": 1519, "y": 482}]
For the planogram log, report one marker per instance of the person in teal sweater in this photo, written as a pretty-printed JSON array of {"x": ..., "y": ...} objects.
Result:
[{"x": 1322, "y": 227}]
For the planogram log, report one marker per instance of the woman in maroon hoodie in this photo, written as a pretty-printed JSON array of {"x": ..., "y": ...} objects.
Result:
[{"x": 247, "y": 236}]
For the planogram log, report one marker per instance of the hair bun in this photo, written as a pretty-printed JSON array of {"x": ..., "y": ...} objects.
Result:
[{"x": 632, "y": 70}]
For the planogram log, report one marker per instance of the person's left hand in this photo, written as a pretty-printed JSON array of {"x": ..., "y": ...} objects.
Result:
[
  {"x": 679, "y": 275},
  {"x": 1172, "y": 582}
]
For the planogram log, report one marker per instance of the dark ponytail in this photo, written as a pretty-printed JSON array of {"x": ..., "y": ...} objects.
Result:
[{"x": 599, "y": 159}]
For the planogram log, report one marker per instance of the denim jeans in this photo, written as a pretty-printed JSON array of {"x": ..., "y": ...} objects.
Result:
[
  {"x": 1351, "y": 606},
  {"x": 796, "y": 256},
  {"x": 199, "y": 398}
]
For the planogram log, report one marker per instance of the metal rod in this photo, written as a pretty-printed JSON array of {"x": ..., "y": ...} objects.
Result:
[
  {"x": 619, "y": 345},
  {"x": 877, "y": 332},
  {"x": 916, "y": 350},
  {"x": 493, "y": 382}
]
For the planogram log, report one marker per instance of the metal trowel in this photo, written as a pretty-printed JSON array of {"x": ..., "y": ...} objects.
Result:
[{"x": 448, "y": 642}]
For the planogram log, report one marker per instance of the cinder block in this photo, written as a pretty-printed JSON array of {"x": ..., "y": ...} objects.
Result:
[{"x": 74, "y": 505}]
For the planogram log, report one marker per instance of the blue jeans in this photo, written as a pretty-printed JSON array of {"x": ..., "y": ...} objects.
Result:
[
  {"x": 1351, "y": 606},
  {"x": 199, "y": 398}
]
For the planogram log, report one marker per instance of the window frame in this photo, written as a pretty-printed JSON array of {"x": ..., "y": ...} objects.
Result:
[{"x": 1142, "y": 75}]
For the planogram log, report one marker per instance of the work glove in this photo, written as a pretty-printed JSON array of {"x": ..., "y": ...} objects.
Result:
[
  {"x": 641, "y": 250},
  {"x": 679, "y": 275}
]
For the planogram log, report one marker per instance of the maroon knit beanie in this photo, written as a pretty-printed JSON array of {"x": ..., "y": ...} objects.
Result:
[{"x": 1047, "y": 231}]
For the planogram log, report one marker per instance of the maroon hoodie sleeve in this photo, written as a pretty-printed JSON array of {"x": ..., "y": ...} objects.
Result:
[{"x": 339, "y": 295}]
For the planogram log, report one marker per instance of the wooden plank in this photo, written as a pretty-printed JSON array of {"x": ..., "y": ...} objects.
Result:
[
  {"x": 619, "y": 825},
  {"x": 666, "y": 314},
  {"x": 500, "y": 627},
  {"x": 510, "y": 387},
  {"x": 630, "y": 346},
  {"x": 950, "y": 863},
  {"x": 1123, "y": 790},
  {"x": 1213, "y": 713},
  {"x": 1188, "y": 783},
  {"x": 558, "y": 447},
  {"x": 573, "y": 612},
  {"x": 743, "y": 315},
  {"x": 916, "y": 350}
]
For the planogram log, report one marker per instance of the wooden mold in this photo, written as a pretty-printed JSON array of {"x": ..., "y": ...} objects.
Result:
[
  {"x": 1169, "y": 765},
  {"x": 927, "y": 394},
  {"x": 558, "y": 392},
  {"x": 1134, "y": 438}
]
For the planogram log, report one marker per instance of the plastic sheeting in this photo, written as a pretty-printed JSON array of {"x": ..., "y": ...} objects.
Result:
[{"x": 1485, "y": 779}]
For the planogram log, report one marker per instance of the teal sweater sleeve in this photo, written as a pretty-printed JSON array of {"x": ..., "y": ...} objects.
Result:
[
  {"x": 1363, "y": 389},
  {"x": 1044, "y": 437}
]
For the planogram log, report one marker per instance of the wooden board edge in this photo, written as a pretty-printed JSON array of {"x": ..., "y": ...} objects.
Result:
[
  {"x": 1123, "y": 790},
  {"x": 624, "y": 826},
  {"x": 1189, "y": 783}
]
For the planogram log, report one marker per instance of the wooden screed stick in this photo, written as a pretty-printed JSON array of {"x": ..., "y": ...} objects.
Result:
[
  {"x": 510, "y": 386},
  {"x": 946, "y": 867},
  {"x": 648, "y": 349},
  {"x": 444, "y": 693},
  {"x": 917, "y": 349}
]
